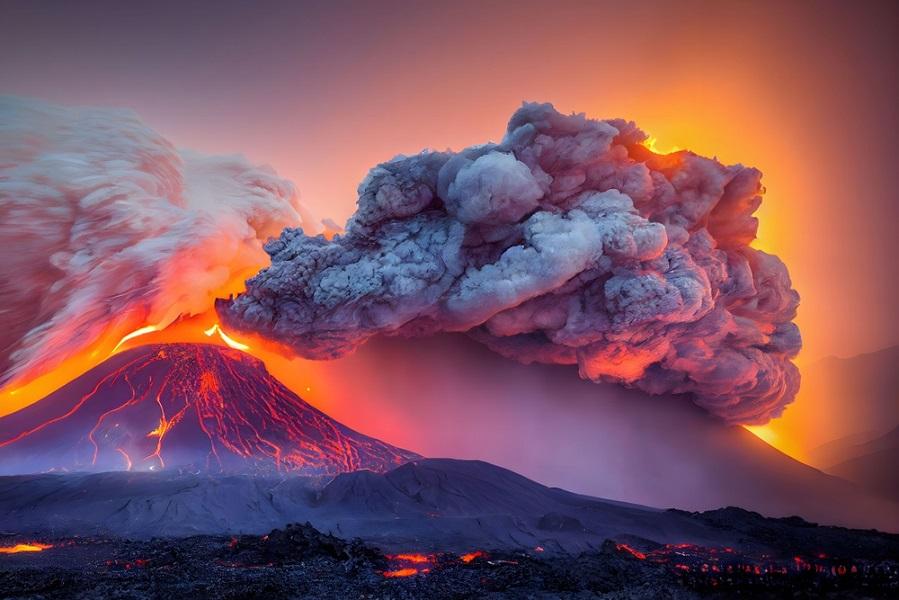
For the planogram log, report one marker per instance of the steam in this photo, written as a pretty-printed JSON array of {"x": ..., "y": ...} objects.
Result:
[
  {"x": 567, "y": 243},
  {"x": 105, "y": 227}
]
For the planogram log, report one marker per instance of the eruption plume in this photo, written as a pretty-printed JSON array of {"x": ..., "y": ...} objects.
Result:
[
  {"x": 570, "y": 242},
  {"x": 107, "y": 228}
]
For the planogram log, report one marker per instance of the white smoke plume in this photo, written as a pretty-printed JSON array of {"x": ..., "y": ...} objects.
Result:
[
  {"x": 569, "y": 242},
  {"x": 104, "y": 225}
]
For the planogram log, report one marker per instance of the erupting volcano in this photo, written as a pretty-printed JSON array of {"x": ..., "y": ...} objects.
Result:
[{"x": 195, "y": 407}]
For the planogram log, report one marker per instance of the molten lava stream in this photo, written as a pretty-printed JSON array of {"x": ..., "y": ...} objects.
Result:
[
  {"x": 407, "y": 572},
  {"x": 470, "y": 556},
  {"x": 25, "y": 547}
]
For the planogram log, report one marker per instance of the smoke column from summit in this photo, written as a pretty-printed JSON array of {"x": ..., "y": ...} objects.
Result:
[
  {"x": 106, "y": 227},
  {"x": 570, "y": 243}
]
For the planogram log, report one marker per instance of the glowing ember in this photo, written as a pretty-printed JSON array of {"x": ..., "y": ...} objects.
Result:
[
  {"x": 403, "y": 564},
  {"x": 467, "y": 558},
  {"x": 412, "y": 558},
  {"x": 26, "y": 547},
  {"x": 407, "y": 572}
]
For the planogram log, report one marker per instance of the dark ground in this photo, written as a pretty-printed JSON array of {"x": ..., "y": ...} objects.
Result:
[{"x": 300, "y": 562}]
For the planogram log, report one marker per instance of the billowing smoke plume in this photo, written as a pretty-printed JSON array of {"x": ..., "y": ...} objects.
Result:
[
  {"x": 568, "y": 243},
  {"x": 106, "y": 227}
]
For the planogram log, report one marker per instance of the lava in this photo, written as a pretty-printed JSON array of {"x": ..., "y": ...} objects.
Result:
[
  {"x": 714, "y": 565},
  {"x": 226, "y": 338},
  {"x": 25, "y": 547},
  {"x": 412, "y": 558},
  {"x": 407, "y": 564},
  {"x": 635, "y": 553},
  {"x": 470, "y": 556},
  {"x": 406, "y": 572},
  {"x": 197, "y": 405},
  {"x": 134, "y": 334}
]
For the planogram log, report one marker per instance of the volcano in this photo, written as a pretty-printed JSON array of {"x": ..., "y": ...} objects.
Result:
[{"x": 190, "y": 407}]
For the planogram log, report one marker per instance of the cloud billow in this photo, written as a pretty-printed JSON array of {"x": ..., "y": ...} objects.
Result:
[
  {"x": 106, "y": 227},
  {"x": 567, "y": 243}
]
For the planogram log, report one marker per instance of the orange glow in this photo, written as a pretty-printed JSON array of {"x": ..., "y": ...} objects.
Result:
[
  {"x": 651, "y": 144},
  {"x": 407, "y": 572},
  {"x": 402, "y": 566},
  {"x": 134, "y": 334},
  {"x": 190, "y": 391},
  {"x": 26, "y": 547},
  {"x": 467, "y": 558},
  {"x": 226, "y": 338},
  {"x": 160, "y": 431},
  {"x": 412, "y": 558}
]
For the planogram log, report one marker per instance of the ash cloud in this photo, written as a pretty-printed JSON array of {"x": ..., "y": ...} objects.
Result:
[
  {"x": 567, "y": 243},
  {"x": 106, "y": 227}
]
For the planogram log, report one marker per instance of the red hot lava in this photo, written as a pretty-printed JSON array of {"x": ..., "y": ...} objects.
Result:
[
  {"x": 467, "y": 558},
  {"x": 186, "y": 405},
  {"x": 24, "y": 547},
  {"x": 412, "y": 563}
]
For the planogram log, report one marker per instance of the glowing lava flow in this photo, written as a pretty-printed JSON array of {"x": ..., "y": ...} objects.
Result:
[
  {"x": 198, "y": 406},
  {"x": 226, "y": 338},
  {"x": 134, "y": 334},
  {"x": 470, "y": 556},
  {"x": 25, "y": 547},
  {"x": 409, "y": 564}
]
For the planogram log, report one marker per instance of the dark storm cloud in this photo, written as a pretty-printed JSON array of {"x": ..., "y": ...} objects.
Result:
[{"x": 567, "y": 243}]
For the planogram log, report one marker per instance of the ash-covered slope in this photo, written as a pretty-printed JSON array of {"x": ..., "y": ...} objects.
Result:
[
  {"x": 873, "y": 465},
  {"x": 428, "y": 504},
  {"x": 193, "y": 406},
  {"x": 602, "y": 440}
]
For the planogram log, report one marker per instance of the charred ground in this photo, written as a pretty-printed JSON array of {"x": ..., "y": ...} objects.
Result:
[{"x": 300, "y": 562}]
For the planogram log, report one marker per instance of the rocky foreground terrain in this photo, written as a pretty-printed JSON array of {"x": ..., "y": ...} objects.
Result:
[{"x": 802, "y": 561}]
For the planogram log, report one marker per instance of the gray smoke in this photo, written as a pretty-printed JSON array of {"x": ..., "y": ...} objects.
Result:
[{"x": 569, "y": 243}]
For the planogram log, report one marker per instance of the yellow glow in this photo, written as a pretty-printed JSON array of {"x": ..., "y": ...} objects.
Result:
[
  {"x": 651, "y": 144},
  {"x": 29, "y": 547},
  {"x": 226, "y": 338},
  {"x": 763, "y": 432},
  {"x": 134, "y": 334}
]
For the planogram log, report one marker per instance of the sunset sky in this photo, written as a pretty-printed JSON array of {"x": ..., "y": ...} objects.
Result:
[{"x": 322, "y": 91}]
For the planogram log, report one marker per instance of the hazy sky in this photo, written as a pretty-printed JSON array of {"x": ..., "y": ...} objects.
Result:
[{"x": 322, "y": 91}]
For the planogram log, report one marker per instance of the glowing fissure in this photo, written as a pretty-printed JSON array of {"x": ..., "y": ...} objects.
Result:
[
  {"x": 197, "y": 392},
  {"x": 407, "y": 564}
]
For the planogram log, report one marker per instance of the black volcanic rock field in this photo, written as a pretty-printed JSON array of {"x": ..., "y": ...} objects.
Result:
[
  {"x": 194, "y": 407},
  {"x": 791, "y": 559}
]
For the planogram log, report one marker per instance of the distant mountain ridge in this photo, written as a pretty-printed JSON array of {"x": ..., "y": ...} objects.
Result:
[{"x": 874, "y": 465}]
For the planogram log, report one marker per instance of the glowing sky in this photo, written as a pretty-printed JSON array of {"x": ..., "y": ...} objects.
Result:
[{"x": 322, "y": 91}]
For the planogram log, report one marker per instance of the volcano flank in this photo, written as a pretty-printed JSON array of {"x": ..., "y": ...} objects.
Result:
[{"x": 195, "y": 407}]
